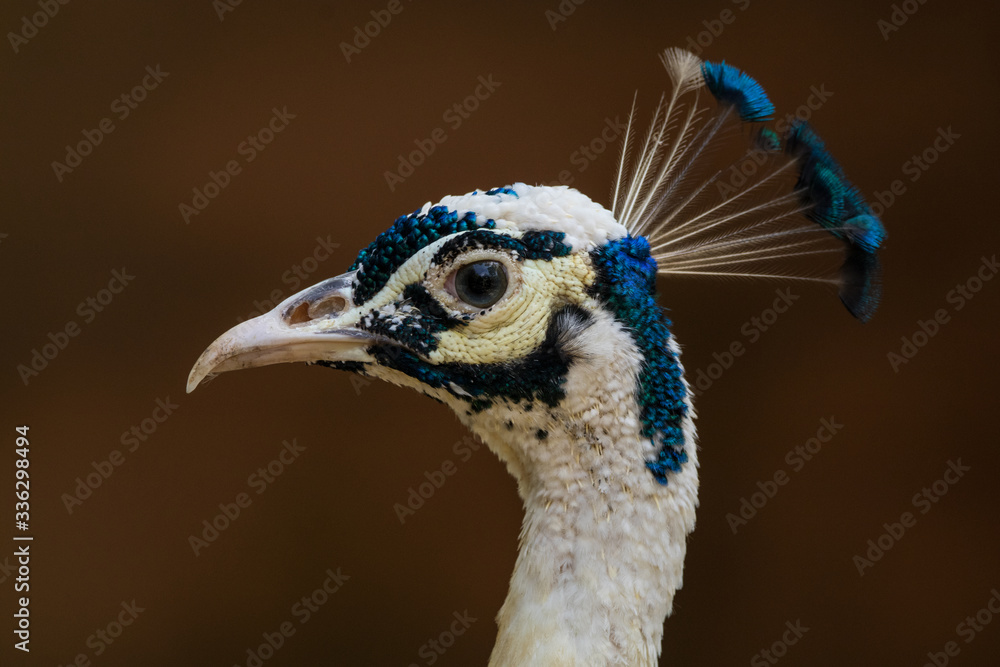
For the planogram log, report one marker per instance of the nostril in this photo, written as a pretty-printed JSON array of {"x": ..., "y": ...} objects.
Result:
[
  {"x": 324, "y": 307},
  {"x": 307, "y": 311},
  {"x": 300, "y": 314}
]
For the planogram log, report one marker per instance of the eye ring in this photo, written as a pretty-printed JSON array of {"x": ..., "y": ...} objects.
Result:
[{"x": 480, "y": 284}]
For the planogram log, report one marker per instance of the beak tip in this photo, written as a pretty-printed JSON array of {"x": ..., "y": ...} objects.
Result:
[{"x": 197, "y": 375}]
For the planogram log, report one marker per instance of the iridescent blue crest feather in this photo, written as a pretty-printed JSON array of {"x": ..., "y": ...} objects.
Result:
[
  {"x": 861, "y": 289},
  {"x": 732, "y": 86},
  {"x": 777, "y": 211},
  {"x": 838, "y": 206},
  {"x": 822, "y": 182},
  {"x": 767, "y": 140},
  {"x": 866, "y": 231}
]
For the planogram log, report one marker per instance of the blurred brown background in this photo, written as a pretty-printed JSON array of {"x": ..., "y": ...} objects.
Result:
[{"x": 366, "y": 445}]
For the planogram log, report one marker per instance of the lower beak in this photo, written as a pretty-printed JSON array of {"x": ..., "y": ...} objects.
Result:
[{"x": 303, "y": 327}]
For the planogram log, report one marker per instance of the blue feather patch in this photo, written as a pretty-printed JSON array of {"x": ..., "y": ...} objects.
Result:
[
  {"x": 626, "y": 285},
  {"x": 861, "y": 283},
  {"x": 505, "y": 190},
  {"x": 866, "y": 231},
  {"x": 736, "y": 88},
  {"x": 822, "y": 181},
  {"x": 836, "y": 205},
  {"x": 767, "y": 140},
  {"x": 408, "y": 234}
]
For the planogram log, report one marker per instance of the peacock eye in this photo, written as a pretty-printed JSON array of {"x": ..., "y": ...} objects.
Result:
[{"x": 481, "y": 284}]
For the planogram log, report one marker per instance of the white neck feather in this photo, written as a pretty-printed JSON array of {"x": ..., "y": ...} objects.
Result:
[{"x": 602, "y": 544}]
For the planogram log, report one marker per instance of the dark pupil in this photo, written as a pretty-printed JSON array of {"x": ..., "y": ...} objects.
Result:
[{"x": 481, "y": 284}]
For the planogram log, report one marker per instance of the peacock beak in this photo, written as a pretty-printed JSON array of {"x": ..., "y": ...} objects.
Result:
[{"x": 308, "y": 326}]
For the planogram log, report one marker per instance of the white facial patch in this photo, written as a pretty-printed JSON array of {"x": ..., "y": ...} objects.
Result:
[
  {"x": 517, "y": 325},
  {"x": 511, "y": 328}
]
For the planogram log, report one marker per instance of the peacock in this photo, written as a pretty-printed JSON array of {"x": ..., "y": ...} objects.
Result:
[{"x": 532, "y": 312}]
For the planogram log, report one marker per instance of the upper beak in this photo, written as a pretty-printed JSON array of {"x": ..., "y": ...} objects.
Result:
[{"x": 307, "y": 326}]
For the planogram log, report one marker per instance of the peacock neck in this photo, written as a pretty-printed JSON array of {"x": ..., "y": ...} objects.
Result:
[
  {"x": 603, "y": 540},
  {"x": 593, "y": 582}
]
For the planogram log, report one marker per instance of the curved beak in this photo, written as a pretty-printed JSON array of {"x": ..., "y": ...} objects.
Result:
[{"x": 307, "y": 326}]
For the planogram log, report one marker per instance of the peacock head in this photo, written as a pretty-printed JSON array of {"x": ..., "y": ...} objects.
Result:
[{"x": 484, "y": 302}]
